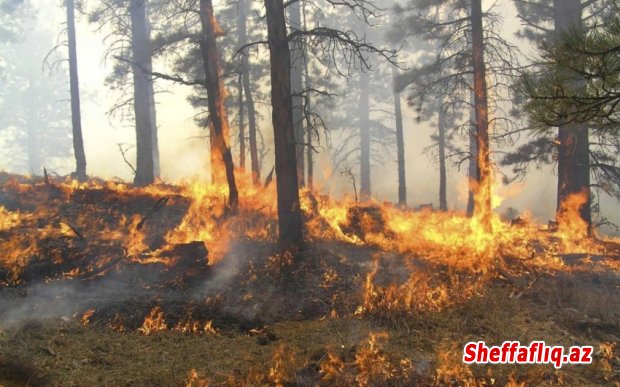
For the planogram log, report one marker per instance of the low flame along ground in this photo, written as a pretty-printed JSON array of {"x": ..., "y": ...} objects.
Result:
[{"x": 407, "y": 287}]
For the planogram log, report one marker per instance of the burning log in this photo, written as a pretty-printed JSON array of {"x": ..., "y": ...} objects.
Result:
[
  {"x": 190, "y": 253},
  {"x": 180, "y": 262},
  {"x": 363, "y": 220},
  {"x": 186, "y": 260}
]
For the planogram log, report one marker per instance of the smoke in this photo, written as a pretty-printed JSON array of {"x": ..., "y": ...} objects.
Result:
[
  {"x": 184, "y": 150},
  {"x": 60, "y": 299}
]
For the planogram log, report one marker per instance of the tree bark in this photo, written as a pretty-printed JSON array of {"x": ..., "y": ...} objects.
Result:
[
  {"x": 289, "y": 213},
  {"x": 309, "y": 149},
  {"x": 247, "y": 91},
  {"x": 252, "y": 127},
  {"x": 364, "y": 117},
  {"x": 574, "y": 144},
  {"x": 482, "y": 208},
  {"x": 140, "y": 44},
  {"x": 297, "y": 62},
  {"x": 309, "y": 125},
  {"x": 241, "y": 40},
  {"x": 148, "y": 65},
  {"x": 76, "y": 115},
  {"x": 441, "y": 128},
  {"x": 241, "y": 116},
  {"x": 215, "y": 96},
  {"x": 400, "y": 147},
  {"x": 472, "y": 172},
  {"x": 152, "y": 110}
]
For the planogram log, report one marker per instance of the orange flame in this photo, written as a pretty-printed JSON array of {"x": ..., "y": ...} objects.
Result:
[{"x": 154, "y": 322}]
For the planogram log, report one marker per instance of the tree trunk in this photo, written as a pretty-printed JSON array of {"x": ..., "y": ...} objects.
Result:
[
  {"x": 289, "y": 213},
  {"x": 441, "y": 126},
  {"x": 309, "y": 125},
  {"x": 482, "y": 208},
  {"x": 574, "y": 144},
  {"x": 155, "y": 136},
  {"x": 400, "y": 146},
  {"x": 76, "y": 115},
  {"x": 241, "y": 124},
  {"x": 472, "y": 172},
  {"x": 215, "y": 96},
  {"x": 364, "y": 117},
  {"x": 252, "y": 128},
  {"x": 297, "y": 59},
  {"x": 309, "y": 149},
  {"x": 309, "y": 153},
  {"x": 140, "y": 43},
  {"x": 151, "y": 92},
  {"x": 241, "y": 40},
  {"x": 247, "y": 91}
]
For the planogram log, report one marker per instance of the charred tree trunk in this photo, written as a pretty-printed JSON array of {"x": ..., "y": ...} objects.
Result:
[
  {"x": 472, "y": 172},
  {"x": 364, "y": 117},
  {"x": 142, "y": 81},
  {"x": 441, "y": 140},
  {"x": 574, "y": 144},
  {"x": 151, "y": 92},
  {"x": 241, "y": 124},
  {"x": 309, "y": 125},
  {"x": 482, "y": 208},
  {"x": 247, "y": 91},
  {"x": 76, "y": 114},
  {"x": 215, "y": 96},
  {"x": 400, "y": 147},
  {"x": 252, "y": 128},
  {"x": 241, "y": 40},
  {"x": 309, "y": 155},
  {"x": 309, "y": 128},
  {"x": 289, "y": 213},
  {"x": 297, "y": 62},
  {"x": 155, "y": 136}
]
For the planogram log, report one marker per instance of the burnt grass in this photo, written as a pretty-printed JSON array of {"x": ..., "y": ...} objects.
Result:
[{"x": 271, "y": 313}]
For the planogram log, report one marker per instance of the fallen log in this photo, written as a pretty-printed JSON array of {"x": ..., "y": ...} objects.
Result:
[{"x": 192, "y": 252}]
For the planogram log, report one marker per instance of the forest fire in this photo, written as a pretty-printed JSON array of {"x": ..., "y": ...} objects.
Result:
[
  {"x": 157, "y": 256},
  {"x": 423, "y": 261},
  {"x": 448, "y": 238}
]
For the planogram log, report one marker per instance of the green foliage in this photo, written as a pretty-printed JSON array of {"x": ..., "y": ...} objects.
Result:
[
  {"x": 538, "y": 151},
  {"x": 578, "y": 79}
]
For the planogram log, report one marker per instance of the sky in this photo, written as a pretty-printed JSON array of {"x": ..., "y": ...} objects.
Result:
[{"x": 184, "y": 150}]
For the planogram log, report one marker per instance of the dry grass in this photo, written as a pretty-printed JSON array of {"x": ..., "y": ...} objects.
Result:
[{"x": 65, "y": 353}]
